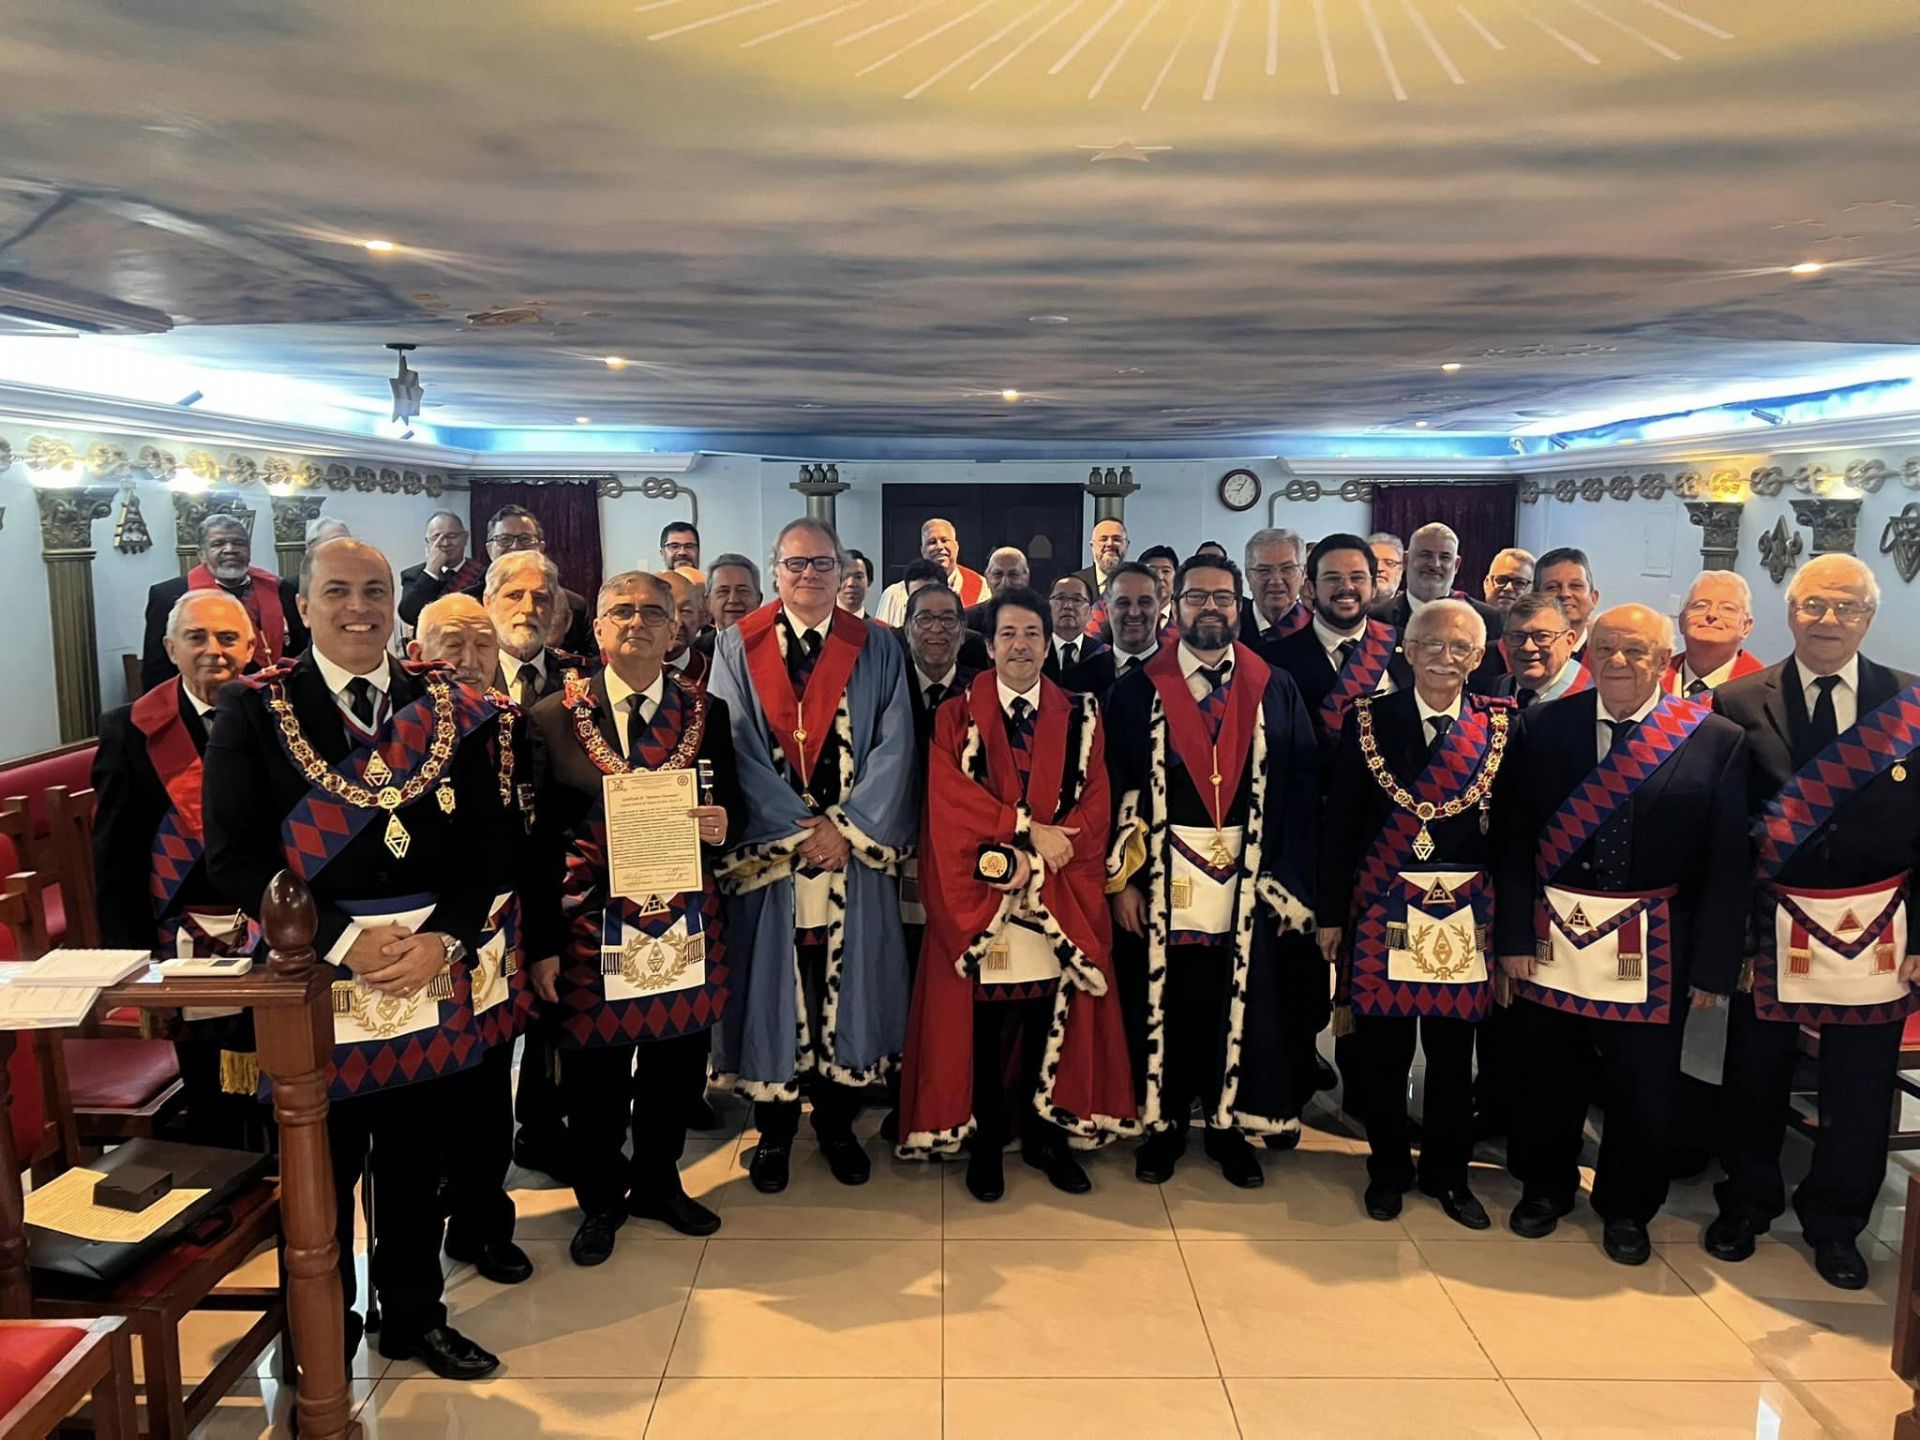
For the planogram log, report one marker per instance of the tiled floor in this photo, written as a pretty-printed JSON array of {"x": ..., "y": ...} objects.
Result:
[{"x": 906, "y": 1309}]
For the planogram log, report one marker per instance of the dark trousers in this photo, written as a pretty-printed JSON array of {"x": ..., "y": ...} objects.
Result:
[
  {"x": 1306, "y": 1005},
  {"x": 1375, "y": 1061},
  {"x": 406, "y": 1129},
  {"x": 1493, "y": 1079},
  {"x": 1639, "y": 1073},
  {"x": 479, "y": 1150},
  {"x": 537, "y": 1107},
  {"x": 644, "y": 1086},
  {"x": 1009, "y": 1046},
  {"x": 1857, "y": 1067},
  {"x": 835, "y": 1106},
  {"x": 1195, "y": 1008}
]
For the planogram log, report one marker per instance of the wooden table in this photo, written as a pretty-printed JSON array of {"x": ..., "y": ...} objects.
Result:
[{"x": 290, "y": 997}]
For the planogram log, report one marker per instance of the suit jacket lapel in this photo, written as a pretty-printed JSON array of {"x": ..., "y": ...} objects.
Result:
[
  {"x": 1877, "y": 686},
  {"x": 603, "y": 712},
  {"x": 1776, "y": 711},
  {"x": 314, "y": 707}
]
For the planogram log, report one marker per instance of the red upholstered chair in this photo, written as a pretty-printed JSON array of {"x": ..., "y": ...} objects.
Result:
[
  {"x": 68, "y": 852},
  {"x": 50, "y": 1368},
  {"x": 28, "y": 827}
]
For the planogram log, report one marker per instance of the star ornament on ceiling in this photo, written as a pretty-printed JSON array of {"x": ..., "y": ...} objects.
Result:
[
  {"x": 1125, "y": 150},
  {"x": 405, "y": 386}
]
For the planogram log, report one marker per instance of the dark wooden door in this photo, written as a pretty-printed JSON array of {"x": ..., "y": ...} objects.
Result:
[{"x": 1043, "y": 521}]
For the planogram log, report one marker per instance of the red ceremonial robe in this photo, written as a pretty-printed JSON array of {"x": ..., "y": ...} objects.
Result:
[
  {"x": 973, "y": 800},
  {"x": 263, "y": 606}
]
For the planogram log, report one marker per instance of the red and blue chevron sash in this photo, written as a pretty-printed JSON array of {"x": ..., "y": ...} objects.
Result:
[
  {"x": 502, "y": 1022},
  {"x": 320, "y": 826},
  {"x": 1877, "y": 742},
  {"x": 1379, "y": 899},
  {"x": 177, "y": 843},
  {"x": 1359, "y": 676}
]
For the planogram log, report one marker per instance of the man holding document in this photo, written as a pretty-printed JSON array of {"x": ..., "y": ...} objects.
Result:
[{"x": 636, "y": 786}]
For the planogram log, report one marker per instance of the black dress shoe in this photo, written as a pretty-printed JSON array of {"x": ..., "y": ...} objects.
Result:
[
  {"x": 1537, "y": 1216},
  {"x": 1626, "y": 1242},
  {"x": 1730, "y": 1238},
  {"x": 702, "y": 1116},
  {"x": 847, "y": 1159},
  {"x": 1282, "y": 1139},
  {"x": 443, "y": 1350},
  {"x": 1063, "y": 1172},
  {"x": 769, "y": 1168},
  {"x": 1382, "y": 1200},
  {"x": 986, "y": 1175},
  {"x": 1230, "y": 1151},
  {"x": 1840, "y": 1264},
  {"x": 593, "y": 1241},
  {"x": 547, "y": 1160},
  {"x": 501, "y": 1261},
  {"x": 1463, "y": 1207},
  {"x": 1159, "y": 1156},
  {"x": 677, "y": 1210}
]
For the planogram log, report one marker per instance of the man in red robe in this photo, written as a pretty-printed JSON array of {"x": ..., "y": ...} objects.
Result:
[
  {"x": 1016, "y": 974},
  {"x": 226, "y": 563}
]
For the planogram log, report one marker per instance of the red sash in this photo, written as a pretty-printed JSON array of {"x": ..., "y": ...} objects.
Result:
[
  {"x": 263, "y": 604},
  {"x": 1049, "y": 746},
  {"x": 1359, "y": 676},
  {"x": 801, "y": 725},
  {"x": 1224, "y": 762},
  {"x": 156, "y": 715}
]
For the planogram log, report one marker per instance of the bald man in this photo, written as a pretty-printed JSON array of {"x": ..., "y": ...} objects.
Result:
[
  {"x": 1835, "y": 800},
  {"x": 1007, "y": 570},
  {"x": 1432, "y": 562},
  {"x": 455, "y": 630},
  {"x": 941, "y": 545},
  {"x": 1620, "y": 869}
]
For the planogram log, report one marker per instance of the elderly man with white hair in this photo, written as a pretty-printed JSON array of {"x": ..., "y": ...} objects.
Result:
[
  {"x": 1433, "y": 560},
  {"x": 522, "y": 591},
  {"x": 1715, "y": 622},
  {"x": 1007, "y": 571},
  {"x": 1621, "y": 875},
  {"x": 1835, "y": 803},
  {"x": 1276, "y": 573}
]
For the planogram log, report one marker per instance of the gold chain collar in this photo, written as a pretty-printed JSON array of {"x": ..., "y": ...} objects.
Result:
[
  {"x": 1465, "y": 800},
  {"x": 579, "y": 704},
  {"x": 388, "y": 796}
]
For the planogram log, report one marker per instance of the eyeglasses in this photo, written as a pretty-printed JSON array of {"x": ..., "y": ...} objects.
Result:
[
  {"x": 936, "y": 622},
  {"x": 1508, "y": 582},
  {"x": 1726, "y": 609},
  {"x": 1452, "y": 649},
  {"x": 1070, "y": 601},
  {"x": 1847, "y": 612},
  {"x": 512, "y": 540},
  {"x": 819, "y": 564},
  {"x": 1225, "y": 599},
  {"x": 652, "y": 616},
  {"x": 1267, "y": 572},
  {"x": 1539, "y": 639}
]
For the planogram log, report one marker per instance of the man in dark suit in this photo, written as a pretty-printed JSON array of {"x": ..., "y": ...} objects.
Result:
[
  {"x": 1621, "y": 884},
  {"x": 1433, "y": 559},
  {"x": 1133, "y": 603},
  {"x": 226, "y": 563},
  {"x": 1070, "y": 602},
  {"x": 1342, "y": 653},
  {"x": 448, "y": 569},
  {"x": 1006, "y": 570},
  {"x": 1567, "y": 575},
  {"x": 972, "y": 644},
  {"x": 514, "y": 528},
  {"x": 1835, "y": 800},
  {"x": 1276, "y": 574},
  {"x": 1108, "y": 544},
  {"x": 298, "y": 765}
]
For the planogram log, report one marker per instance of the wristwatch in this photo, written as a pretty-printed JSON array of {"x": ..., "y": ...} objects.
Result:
[{"x": 456, "y": 949}]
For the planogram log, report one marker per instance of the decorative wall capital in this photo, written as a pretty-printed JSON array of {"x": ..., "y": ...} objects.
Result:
[
  {"x": 1834, "y": 523},
  {"x": 1719, "y": 522},
  {"x": 291, "y": 516},
  {"x": 67, "y": 514}
]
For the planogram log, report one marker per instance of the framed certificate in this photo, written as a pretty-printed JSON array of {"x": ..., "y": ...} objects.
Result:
[{"x": 653, "y": 843}]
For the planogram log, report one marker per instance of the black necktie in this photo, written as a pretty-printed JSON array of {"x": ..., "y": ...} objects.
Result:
[
  {"x": 636, "y": 728},
  {"x": 936, "y": 692},
  {"x": 1825, "y": 728},
  {"x": 1696, "y": 688},
  {"x": 361, "y": 696},
  {"x": 1439, "y": 724},
  {"x": 1526, "y": 697},
  {"x": 526, "y": 689},
  {"x": 1622, "y": 732},
  {"x": 1215, "y": 675},
  {"x": 1069, "y": 654},
  {"x": 1347, "y": 647},
  {"x": 1127, "y": 665}
]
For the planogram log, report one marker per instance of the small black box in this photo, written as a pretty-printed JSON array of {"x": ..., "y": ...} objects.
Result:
[{"x": 132, "y": 1187}]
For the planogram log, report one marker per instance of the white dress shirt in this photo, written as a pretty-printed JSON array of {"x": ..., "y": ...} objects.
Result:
[
  {"x": 1603, "y": 732},
  {"x": 1846, "y": 695},
  {"x": 200, "y": 707},
  {"x": 1190, "y": 665},
  {"x": 338, "y": 677},
  {"x": 800, "y": 627},
  {"x": 926, "y": 682},
  {"x": 1079, "y": 643},
  {"x": 618, "y": 695},
  {"x": 1712, "y": 680},
  {"x": 1124, "y": 664},
  {"x": 1427, "y": 712},
  {"x": 1008, "y": 695},
  {"x": 1331, "y": 640},
  {"x": 512, "y": 667}
]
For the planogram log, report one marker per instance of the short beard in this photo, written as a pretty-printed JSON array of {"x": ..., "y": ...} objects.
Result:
[{"x": 1207, "y": 634}]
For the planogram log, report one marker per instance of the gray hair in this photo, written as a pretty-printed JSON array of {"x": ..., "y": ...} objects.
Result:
[
  {"x": 1534, "y": 602},
  {"x": 193, "y": 597},
  {"x": 223, "y": 520},
  {"x": 1512, "y": 552},
  {"x": 738, "y": 561},
  {"x": 435, "y": 614},
  {"x": 1387, "y": 537},
  {"x": 1273, "y": 535},
  {"x": 820, "y": 528},
  {"x": 326, "y": 527},
  {"x": 632, "y": 579},
  {"x": 501, "y": 570},
  {"x": 1739, "y": 583},
  {"x": 1861, "y": 572},
  {"x": 1436, "y": 527},
  {"x": 1434, "y": 611}
]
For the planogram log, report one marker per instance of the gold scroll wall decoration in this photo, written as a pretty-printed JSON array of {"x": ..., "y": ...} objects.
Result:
[
  {"x": 1865, "y": 477},
  {"x": 117, "y": 464}
]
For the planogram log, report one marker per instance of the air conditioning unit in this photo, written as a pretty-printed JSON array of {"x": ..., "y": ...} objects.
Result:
[{"x": 29, "y": 308}]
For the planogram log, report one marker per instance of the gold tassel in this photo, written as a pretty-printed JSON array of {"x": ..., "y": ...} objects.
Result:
[
  {"x": 1342, "y": 1020},
  {"x": 1800, "y": 962},
  {"x": 441, "y": 986},
  {"x": 1542, "y": 952},
  {"x": 239, "y": 1073},
  {"x": 343, "y": 997},
  {"x": 1396, "y": 934},
  {"x": 1884, "y": 962},
  {"x": 1629, "y": 966}
]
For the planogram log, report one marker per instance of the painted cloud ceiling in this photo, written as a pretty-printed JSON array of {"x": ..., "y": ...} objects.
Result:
[{"x": 1149, "y": 217}]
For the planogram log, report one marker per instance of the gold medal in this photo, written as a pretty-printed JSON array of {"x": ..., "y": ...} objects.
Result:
[
  {"x": 377, "y": 771},
  {"x": 397, "y": 837},
  {"x": 1899, "y": 771},
  {"x": 445, "y": 796},
  {"x": 800, "y": 736},
  {"x": 390, "y": 798},
  {"x": 1423, "y": 843}
]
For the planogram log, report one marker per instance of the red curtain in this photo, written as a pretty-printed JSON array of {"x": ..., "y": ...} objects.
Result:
[
  {"x": 569, "y": 515},
  {"x": 1479, "y": 512}
]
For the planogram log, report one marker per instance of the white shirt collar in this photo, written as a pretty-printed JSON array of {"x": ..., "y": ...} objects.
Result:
[
  {"x": 1714, "y": 678},
  {"x": 800, "y": 628},
  {"x": 1849, "y": 674},
  {"x": 1008, "y": 695},
  {"x": 1061, "y": 642},
  {"x": 338, "y": 676},
  {"x": 1121, "y": 657},
  {"x": 200, "y": 707},
  {"x": 683, "y": 660},
  {"x": 1427, "y": 712},
  {"x": 1191, "y": 663},
  {"x": 1332, "y": 639},
  {"x": 923, "y": 679},
  {"x": 1415, "y": 604},
  {"x": 1645, "y": 709},
  {"x": 618, "y": 690},
  {"x": 515, "y": 665}
]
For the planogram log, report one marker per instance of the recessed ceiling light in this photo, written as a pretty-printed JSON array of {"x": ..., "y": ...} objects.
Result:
[
  {"x": 583, "y": 419},
  {"x": 615, "y": 362},
  {"x": 1049, "y": 319},
  {"x": 1451, "y": 366},
  {"x": 1419, "y": 424},
  {"x": 1806, "y": 267},
  {"x": 1011, "y": 396},
  {"x": 380, "y": 247}
]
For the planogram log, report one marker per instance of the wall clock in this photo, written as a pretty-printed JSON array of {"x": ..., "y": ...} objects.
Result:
[{"x": 1239, "y": 490}]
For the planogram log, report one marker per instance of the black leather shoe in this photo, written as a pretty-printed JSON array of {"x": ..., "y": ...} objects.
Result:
[
  {"x": 1382, "y": 1200},
  {"x": 677, "y": 1210},
  {"x": 1230, "y": 1151},
  {"x": 702, "y": 1116},
  {"x": 1730, "y": 1238},
  {"x": 501, "y": 1261},
  {"x": 1283, "y": 1139},
  {"x": 1463, "y": 1207},
  {"x": 443, "y": 1350},
  {"x": 1537, "y": 1216},
  {"x": 547, "y": 1160},
  {"x": 986, "y": 1175},
  {"x": 1840, "y": 1264},
  {"x": 1063, "y": 1172},
  {"x": 1159, "y": 1156},
  {"x": 769, "y": 1168},
  {"x": 593, "y": 1241},
  {"x": 847, "y": 1158},
  {"x": 1626, "y": 1242}
]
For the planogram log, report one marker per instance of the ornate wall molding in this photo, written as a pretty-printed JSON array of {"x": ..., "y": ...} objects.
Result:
[
  {"x": 665, "y": 487},
  {"x": 1901, "y": 539},
  {"x": 154, "y": 462},
  {"x": 67, "y": 515},
  {"x": 1867, "y": 477},
  {"x": 1835, "y": 524},
  {"x": 1719, "y": 522}
]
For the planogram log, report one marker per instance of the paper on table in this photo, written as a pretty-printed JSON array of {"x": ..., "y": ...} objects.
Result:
[
  {"x": 65, "y": 1204},
  {"x": 83, "y": 967},
  {"x": 653, "y": 844},
  {"x": 44, "y": 1007}
]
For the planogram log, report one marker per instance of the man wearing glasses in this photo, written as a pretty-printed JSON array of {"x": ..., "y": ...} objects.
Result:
[
  {"x": 1276, "y": 569},
  {"x": 447, "y": 570},
  {"x": 1215, "y": 784},
  {"x": 1509, "y": 576},
  {"x": 1539, "y": 645},
  {"x": 514, "y": 528},
  {"x": 1069, "y": 604},
  {"x": 1714, "y": 626},
  {"x": 1835, "y": 800},
  {"x": 824, "y": 739}
]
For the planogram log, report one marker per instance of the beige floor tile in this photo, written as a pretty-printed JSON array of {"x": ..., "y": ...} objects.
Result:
[
  {"x": 1312, "y": 1193},
  {"x": 1856, "y": 1409},
  {"x": 1556, "y": 1312},
  {"x": 1087, "y": 1409},
  {"x": 794, "y": 1409},
  {"x": 770, "y": 1308},
  {"x": 615, "y": 1321},
  {"x": 1039, "y": 1308},
  {"x": 207, "y": 1335},
  {"x": 256, "y": 1409},
  {"x": 1665, "y": 1409},
  {"x": 1376, "y": 1310},
  {"x": 426, "y": 1408},
  {"x": 1800, "y": 1326},
  {"x": 1377, "y": 1409},
  {"x": 1118, "y": 1207},
  {"x": 900, "y": 1202},
  {"x": 544, "y": 1208}
]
